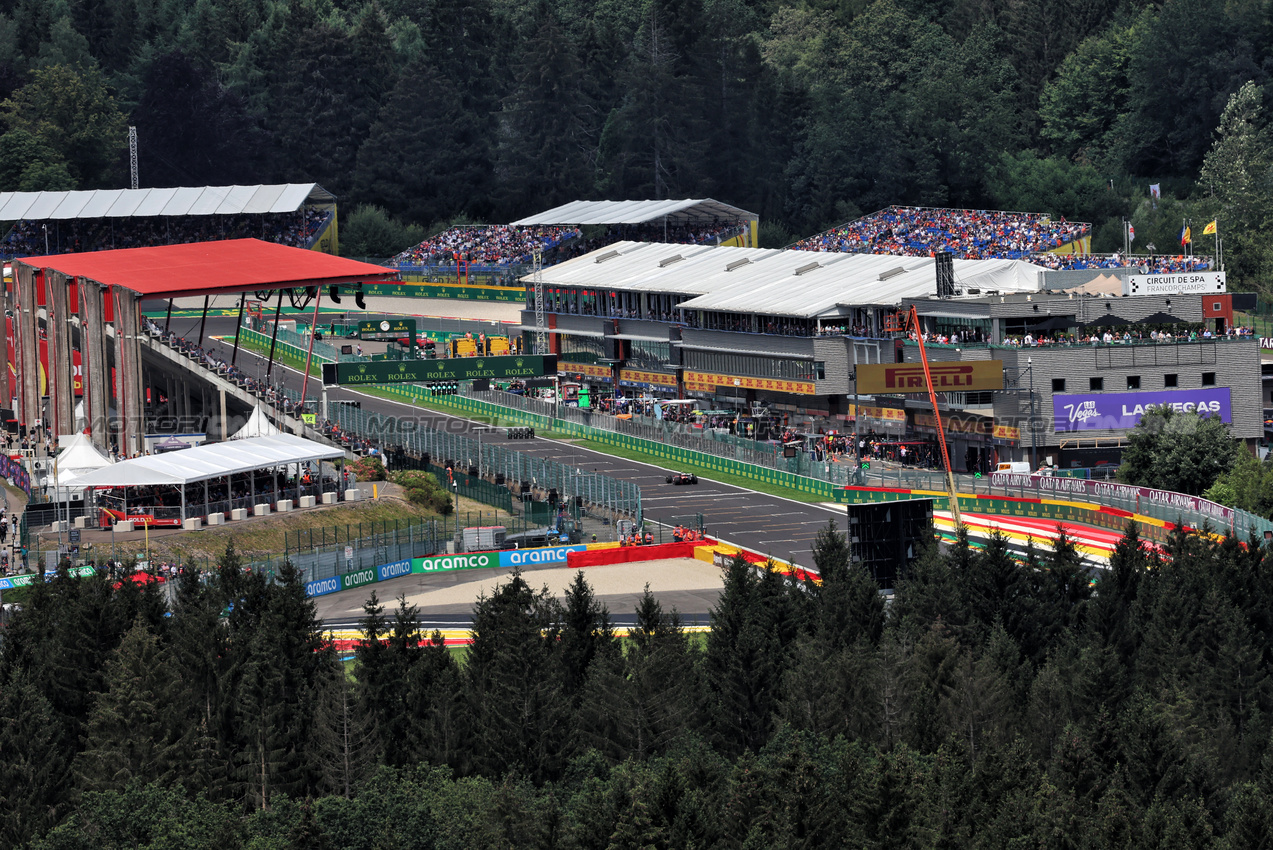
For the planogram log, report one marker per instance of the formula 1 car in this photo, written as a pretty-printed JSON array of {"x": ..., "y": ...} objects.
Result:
[{"x": 682, "y": 478}]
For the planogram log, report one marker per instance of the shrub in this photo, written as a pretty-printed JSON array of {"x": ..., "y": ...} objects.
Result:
[{"x": 368, "y": 468}]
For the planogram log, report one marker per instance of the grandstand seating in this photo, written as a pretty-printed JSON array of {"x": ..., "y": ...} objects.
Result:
[
  {"x": 485, "y": 245},
  {"x": 506, "y": 244},
  {"x": 978, "y": 235},
  {"x": 27, "y": 237}
]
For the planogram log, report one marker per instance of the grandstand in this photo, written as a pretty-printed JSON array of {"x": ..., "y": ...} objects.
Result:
[
  {"x": 574, "y": 229},
  {"x": 301, "y": 215},
  {"x": 1055, "y": 244}
]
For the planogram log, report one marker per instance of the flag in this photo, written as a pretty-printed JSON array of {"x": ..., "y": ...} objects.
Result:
[
  {"x": 1131, "y": 232},
  {"x": 1185, "y": 235},
  {"x": 1155, "y": 191},
  {"x": 1210, "y": 229}
]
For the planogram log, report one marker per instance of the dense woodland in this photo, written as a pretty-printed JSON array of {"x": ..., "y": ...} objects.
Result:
[
  {"x": 995, "y": 702},
  {"x": 807, "y": 113}
]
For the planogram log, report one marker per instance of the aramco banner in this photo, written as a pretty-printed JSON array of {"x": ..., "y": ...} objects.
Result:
[
  {"x": 961, "y": 376},
  {"x": 1117, "y": 411}
]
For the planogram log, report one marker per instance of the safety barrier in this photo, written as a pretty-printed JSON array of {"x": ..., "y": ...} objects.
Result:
[{"x": 612, "y": 496}]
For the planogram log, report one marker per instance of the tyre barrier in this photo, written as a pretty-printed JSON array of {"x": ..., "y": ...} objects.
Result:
[{"x": 521, "y": 433}]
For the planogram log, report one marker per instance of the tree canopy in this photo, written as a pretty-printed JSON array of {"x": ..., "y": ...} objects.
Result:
[
  {"x": 999, "y": 699},
  {"x": 806, "y": 113},
  {"x": 1177, "y": 450}
]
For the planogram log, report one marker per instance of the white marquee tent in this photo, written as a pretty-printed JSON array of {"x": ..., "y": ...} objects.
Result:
[
  {"x": 214, "y": 460},
  {"x": 258, "y": 425},
  {"x": 77, "y": 457}
]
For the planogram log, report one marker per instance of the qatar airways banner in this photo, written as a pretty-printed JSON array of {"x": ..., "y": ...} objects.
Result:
[
  {"x": 1113, "y": 411},
  {"x": 1137, "y": 498}
]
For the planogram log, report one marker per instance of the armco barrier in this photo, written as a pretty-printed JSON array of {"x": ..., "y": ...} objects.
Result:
[
  {"x": 628, "y": 554},
  {"x": 541, "y": 555},
  {"x": 446, "y": 563},
  {"x": 384, "y": 572}
]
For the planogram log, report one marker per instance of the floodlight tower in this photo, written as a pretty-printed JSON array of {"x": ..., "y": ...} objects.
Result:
[
  {"x": 541, "y": 334},
  {"x": 132, "y": 156}
]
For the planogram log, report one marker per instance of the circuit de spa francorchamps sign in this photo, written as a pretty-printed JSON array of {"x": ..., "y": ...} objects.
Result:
[{"x": 427, "y": 371}]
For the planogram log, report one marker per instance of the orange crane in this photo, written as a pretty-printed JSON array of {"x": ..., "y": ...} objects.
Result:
[{"x": 910, "y": 322}]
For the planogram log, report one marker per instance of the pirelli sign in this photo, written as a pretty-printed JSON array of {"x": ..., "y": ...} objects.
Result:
[{"x": 964, "y": 376}]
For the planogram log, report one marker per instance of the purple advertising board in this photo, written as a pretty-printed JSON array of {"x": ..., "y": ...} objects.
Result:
[{"x": 1111, "y": 411}]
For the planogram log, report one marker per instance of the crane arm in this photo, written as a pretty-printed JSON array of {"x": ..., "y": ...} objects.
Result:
[{"x": 912, "y": 322}]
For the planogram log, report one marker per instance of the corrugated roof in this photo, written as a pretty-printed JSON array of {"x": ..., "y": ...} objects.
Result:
[
  {"x": 120, "y": 203},
  {"x": 230, "y": 265},
  {"x": 777, "y": 282},
  {"x": 638, "y": 212}
]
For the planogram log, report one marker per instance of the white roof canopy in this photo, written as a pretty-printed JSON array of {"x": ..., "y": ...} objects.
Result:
[
  {"x": 775, "y": 282},
  {"x": 122, "y": 203},
  {"x": 638, "y": 212},
  {"x": 214, "y": 460}
]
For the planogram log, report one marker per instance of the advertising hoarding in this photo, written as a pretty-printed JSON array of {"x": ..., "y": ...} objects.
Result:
[
  {"x": 1117, "y": 411},
  {"x": 969, "y": 376},
  {"x": 425, "y": 371},
  {"x": 1174, "y": 284}
]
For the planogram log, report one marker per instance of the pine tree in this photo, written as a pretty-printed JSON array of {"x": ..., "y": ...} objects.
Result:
[
  {"x": 133, "y": 732},
  {"x": 278, "y": 654},
  {"x": 35, "y": 754},
  {"x": 196, "y": 642},
  {"x": 436, "y": 708},
  {"x": 346, "y": 744},
  {"x": 746, "y": 654},
  {"x": 640, "y": 704},
  {"x": 847, "y": 604},
  {"x": 586, "y": 633},
  {"x": 515, "y": 698}
]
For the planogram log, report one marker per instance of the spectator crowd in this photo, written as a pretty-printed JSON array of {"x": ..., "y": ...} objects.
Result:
[
  {"x": 274, "y": 395},
  {"x": 506, "y": 244},
  {"x": 485, "y": 245},
  {"x": 28, "y": 238},
  {"x": 981, "y": 235}
]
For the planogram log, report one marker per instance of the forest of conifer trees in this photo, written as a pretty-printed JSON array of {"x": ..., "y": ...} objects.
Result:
[
  {"x": 994, "y": 702},
  {"x": 807, "y": 112}
]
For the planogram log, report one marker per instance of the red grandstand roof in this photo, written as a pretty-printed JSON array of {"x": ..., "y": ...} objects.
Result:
[{"x": 206, "y": 268}]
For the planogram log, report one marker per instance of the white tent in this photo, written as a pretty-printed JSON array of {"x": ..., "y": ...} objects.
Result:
[
  {"x": 258, "y": 425},
  {"x": 78, "y": 455},
  {"x": 215, "y": 460}
]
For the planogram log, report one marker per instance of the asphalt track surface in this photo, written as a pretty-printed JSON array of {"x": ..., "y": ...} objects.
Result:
[{"x": 770, "y": 525}]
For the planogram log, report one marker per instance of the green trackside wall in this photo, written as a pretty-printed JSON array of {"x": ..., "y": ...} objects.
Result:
[{"x": 414, "y": 286}]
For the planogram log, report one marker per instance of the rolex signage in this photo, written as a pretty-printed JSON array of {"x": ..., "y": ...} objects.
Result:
[
  {"x": 959, "y": 376},
  {"x": 430, "y": 371},
  {"x": 387, "y": 329}
]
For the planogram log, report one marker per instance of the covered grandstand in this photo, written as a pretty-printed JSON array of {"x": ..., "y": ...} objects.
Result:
[
  {"x": 302, "y": 215},
  {"x": 574, "y": 229}
]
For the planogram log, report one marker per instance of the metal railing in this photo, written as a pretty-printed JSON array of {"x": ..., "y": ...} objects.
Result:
[
  {"x": 601, "y": 493},
  {"x": 662, "y": 431}
]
